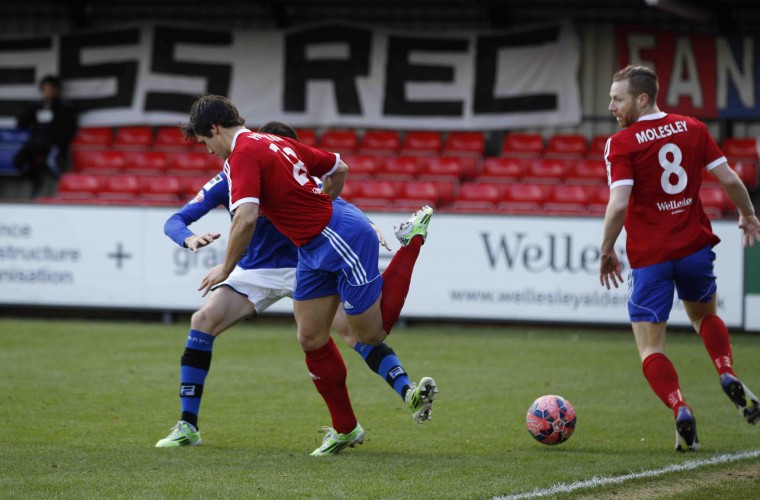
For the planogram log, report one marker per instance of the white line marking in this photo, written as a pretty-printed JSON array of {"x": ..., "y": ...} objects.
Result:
[{"x": 602, "y": 481}]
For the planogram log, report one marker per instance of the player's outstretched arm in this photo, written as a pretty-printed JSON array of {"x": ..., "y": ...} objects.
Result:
[{"x": 739, "y": 195}]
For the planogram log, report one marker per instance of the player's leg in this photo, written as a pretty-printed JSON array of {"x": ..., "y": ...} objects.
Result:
[
  {"x": 398, "y": 275},
  {"x": 223, "y": 309},
  {"x": 650, "y": 301},
  {"x": 696, "y": 286},
  {"x": 381, "y": 358},
  {"x": 355, "y": 257},
  {"x": 327, "y": 371}
]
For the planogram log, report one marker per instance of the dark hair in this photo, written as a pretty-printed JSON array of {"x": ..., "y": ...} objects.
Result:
[
  {"x": 641, "y": 80},
  {"x": 279, "y": 128},
  {"x": 210, "y": 110},
  {"x": 50, "y": 80}
]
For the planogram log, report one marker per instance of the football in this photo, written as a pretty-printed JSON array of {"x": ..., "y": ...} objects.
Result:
[{"x": 551, "y": 419}]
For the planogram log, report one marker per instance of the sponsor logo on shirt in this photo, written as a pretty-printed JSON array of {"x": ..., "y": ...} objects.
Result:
[
  {"x": 676, "y": 205},
  {"x": 661, "y": 132},
  {"x": 199, "y": 197}
]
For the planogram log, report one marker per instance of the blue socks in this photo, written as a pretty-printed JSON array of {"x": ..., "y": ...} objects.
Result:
[
  {"x": 193, "y": 369},
  {"x": 382, "y": 360}
]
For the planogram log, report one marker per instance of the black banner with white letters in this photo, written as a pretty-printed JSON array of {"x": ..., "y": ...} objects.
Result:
[{"x": 329, "y": 75}]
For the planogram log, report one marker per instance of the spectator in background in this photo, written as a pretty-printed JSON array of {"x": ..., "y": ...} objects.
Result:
[
  {"x": 52, "y": 123},
  {"x": 654, "y": 167}
]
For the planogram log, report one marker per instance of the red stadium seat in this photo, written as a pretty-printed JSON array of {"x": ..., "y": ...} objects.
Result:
[
  {"x": 738, "y": 148},
  {"x": 378, "y": 189},
  {"x": 475, "y": 198},
  {"x": 339, "y": 141},
  {"x": 171, "y": 139},
  {"x": 165, "y": 184},
  {"x": 419, "y": 142},
  {"x": 399, "y": 168},
  {"x": 713, "y": 201},
  {"x": 383, "y": 142},
  {"x": 545, "y": 171},
  {"x": 447, "y": 188},
  {"x": 597, "y": 198},
  {"x": 501, "y": 170},
  {"x": 79, "y": 184},
  {"x": 120, "y": 187},
  {"x": 566, "y": 200},
  {"x": 443, "y": 167},
  {"x": 473, "y": 143},
  {"x": 137, "y": 137},
  {"x": 188, "y": 163},
  {"x": 522, "y": 198},
  {"x": 748, "y": 173},
  {"x": 145, "y": 162},
  {"x": 566, "y": 146},
  {"x": 190, "y": 186},
  {"x": 522, "y": 145},
  {"x": 307, "y": 136},
  {"x": 362, "y": 165},
  {"x": 586, "y": 172},
  {"x": 98, "y": 161},
  {"x": 596, "y": 148},
  {"x": 471, "y": 191},
  {"x": 92, "y": 138},
  {"x": 417, "y": 193}
]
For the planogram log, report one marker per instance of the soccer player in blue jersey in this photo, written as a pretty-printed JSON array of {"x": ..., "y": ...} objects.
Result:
[{"x": 264, "y": 275}]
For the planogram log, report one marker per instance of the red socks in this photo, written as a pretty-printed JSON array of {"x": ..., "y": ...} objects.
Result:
[
  {"x": 328, "y": 372},
  {"x": 663, "y": 380},
  {"x": 396, "y": 279},
  {"x": 715, "y": 337}
]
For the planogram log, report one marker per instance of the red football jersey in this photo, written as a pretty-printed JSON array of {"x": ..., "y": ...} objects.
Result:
[
  {"x": 278, "y": 174},
  {"x": 662, "y": 157}
]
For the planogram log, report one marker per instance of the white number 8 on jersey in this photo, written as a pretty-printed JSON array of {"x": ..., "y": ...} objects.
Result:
[{"x": 672, "y": 167}]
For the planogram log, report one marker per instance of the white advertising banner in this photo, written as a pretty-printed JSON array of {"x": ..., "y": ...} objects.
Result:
[
  {"x": 501, "y": 268},
  {"x": 324, "y": 75}
]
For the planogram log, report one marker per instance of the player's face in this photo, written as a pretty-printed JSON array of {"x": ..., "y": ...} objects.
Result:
[
  {"x": 623, "y": 104},
  {"x": 215, "y": 144}
]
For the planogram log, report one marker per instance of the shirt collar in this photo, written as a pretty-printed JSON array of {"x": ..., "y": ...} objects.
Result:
[
  {"x": 234, "y": 138},
  {"x": 652, "y": 116}
]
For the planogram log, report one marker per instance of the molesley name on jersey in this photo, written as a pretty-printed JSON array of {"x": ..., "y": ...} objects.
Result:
[{"x": 661, "y": 132}]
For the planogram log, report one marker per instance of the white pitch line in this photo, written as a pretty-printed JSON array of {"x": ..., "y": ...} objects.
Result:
[{"x": 602, "y": 481}]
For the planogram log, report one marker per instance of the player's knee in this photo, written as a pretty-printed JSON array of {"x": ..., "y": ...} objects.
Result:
[{"x": 205, "y": 320}]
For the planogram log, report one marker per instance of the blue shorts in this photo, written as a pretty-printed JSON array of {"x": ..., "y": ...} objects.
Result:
[
  {"x": 650, "y": 288},
  {"x": 341, "y": 261}
]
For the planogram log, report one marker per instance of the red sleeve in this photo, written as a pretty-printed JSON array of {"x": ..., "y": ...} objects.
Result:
[
  {"x": 244, "y": 178},
  {"x": 619, "y": 166}
]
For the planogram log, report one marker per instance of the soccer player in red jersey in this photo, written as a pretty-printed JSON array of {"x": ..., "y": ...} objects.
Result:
[
  {"x": 337, "y": 249},
  {"x": 654, "y": 169}
]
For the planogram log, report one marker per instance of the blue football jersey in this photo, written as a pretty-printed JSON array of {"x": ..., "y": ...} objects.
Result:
[{"x": 268, "y": 249}]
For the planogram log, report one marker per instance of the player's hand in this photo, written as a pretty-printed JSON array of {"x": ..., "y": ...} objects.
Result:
[
  {"x": 610, "y": 270},
  {"x": 380, "y": 236},
  {"x": 197, "y": 241},
  {"x": 216, "y": 275},
  {"x": 750, "y": 225}
]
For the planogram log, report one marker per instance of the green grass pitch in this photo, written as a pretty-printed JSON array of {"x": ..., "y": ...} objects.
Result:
[{"x": 82, "y": 404}]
